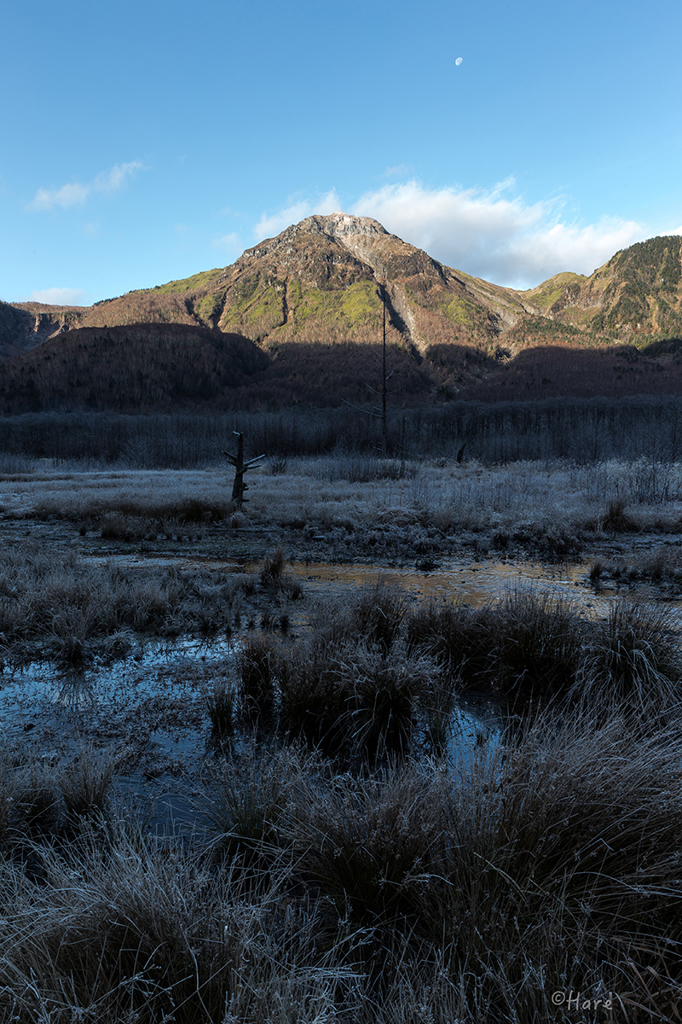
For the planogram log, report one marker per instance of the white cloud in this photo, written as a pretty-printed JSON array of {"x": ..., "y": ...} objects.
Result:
[
  {"x": 68, "y": 195},
  {"x": 494, "y": 236},
  {"x": 228, "y": 243},
  {"x": 76, "y": 194},
  {"x": 491, "y": 233},
  {"x": 58, "y": 296},
  {"x": 400, "y": 170},
  {"x": 267, "y": 227}
]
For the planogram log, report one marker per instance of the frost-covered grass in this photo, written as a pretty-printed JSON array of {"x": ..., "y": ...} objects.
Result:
[
  {"x": 352, "y": 868},
  {"x": 550, "y": 863},
  {"x": 331, "y": 491},
  {"x": 61, "y": 606}
]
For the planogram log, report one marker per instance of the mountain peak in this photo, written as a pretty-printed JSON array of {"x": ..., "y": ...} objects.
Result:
[
  {"x": 338, "y": 225},
  {"x": 337, "y": 249},
  {"x": 343, "y": 231}
]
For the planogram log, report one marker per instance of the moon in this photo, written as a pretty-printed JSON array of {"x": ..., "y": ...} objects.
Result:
[{"x": 459, "y": 61}]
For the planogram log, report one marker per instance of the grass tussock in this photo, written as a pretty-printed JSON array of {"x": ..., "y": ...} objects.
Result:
[
  {"x": 273, "y": 567},
  {"x": 373, "y": 679},
  {"x": 275, "y": 580},
  {"x": 525, "y": 648},
  {"x": 36, "y": 810},
  {"x": 257, "y": 669},
  {"x": 352, "y": 686},
  {"x": 44, "y": 799},
  {"x": 616, "y": 519},
  {"x": 384, "y": 697},
  {"x": 549, "y": 861},
  {"x": 249, "y": 798},
  {"x": 221, "y": 701},
  {"x": 529, "y": 649},
  {"x": 85, "y": 782},
  {"x": 633, "y": 658},
  {"x": 136, "y": 935},
  {"x": 373, "y": 616}
]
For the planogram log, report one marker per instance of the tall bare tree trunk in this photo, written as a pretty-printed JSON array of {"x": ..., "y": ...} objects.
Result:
[{"x": 240, "y": 467}]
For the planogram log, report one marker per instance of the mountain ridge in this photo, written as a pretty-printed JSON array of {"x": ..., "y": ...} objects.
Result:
[
  {"x": 289, "y": 320},
  {"x": 317, "y": 282}
]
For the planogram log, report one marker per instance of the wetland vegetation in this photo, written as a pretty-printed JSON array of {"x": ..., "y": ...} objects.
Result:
[{"x": 398, "y": 806}]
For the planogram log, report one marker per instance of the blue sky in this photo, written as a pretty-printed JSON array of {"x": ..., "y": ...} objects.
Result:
[{"x": 146, "y": 141}]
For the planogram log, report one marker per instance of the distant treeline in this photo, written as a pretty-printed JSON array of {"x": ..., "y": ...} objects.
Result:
[{"x": 580, "y": 430}]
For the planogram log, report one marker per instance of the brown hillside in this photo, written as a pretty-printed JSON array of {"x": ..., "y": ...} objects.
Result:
[
  {"x": 287, "y": 321},
  {"x": 553, "y": 371},
  {"x": 25, "y": 325},
  {"x": 327, "y": 376},
  {"x": 164, "y": 367},
  {"x": 317, "y": 281},
  {"x": 146, "y": 366}
]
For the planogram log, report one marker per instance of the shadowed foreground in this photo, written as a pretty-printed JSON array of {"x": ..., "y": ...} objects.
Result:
[{"x": 357, "y": 856}]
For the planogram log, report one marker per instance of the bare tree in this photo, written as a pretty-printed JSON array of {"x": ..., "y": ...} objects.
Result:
[
  {"x": 241, "y": 467},
  {"x": 382, "y": 390}
]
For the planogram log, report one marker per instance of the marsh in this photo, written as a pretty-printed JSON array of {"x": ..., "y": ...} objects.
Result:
[{"x": 396, "y": 739}]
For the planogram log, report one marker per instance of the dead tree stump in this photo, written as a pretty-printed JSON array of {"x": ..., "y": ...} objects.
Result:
[{"x": 240, "y": 468}]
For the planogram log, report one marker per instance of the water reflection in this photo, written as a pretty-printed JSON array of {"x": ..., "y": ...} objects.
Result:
[
  {"x": 476, "y": 583},
  {"x": 163, "y": 673},
  {"x": 75, "y": 690}
]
